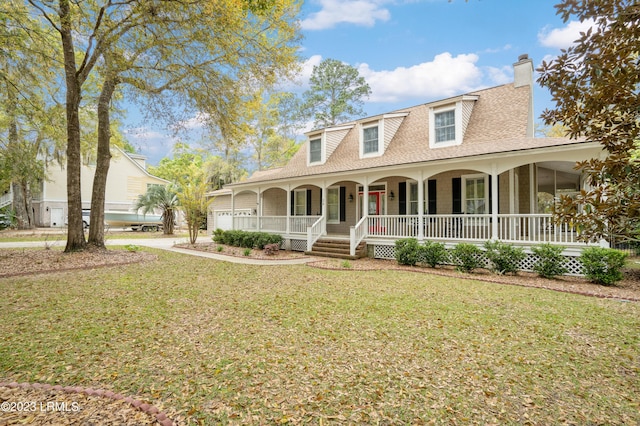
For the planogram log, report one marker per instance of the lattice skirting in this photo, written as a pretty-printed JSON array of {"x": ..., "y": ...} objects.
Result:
[
  {"x": 298, "y": 245},
  {"x": 572, "y": 262}
]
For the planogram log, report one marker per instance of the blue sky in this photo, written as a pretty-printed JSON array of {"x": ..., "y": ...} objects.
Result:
[{"x": 416, "y": 51}]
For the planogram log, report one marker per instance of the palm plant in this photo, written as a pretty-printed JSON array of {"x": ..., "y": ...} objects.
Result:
[{"x": 163, "y": 198}]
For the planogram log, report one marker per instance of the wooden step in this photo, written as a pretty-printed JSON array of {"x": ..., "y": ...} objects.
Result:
[{"x": 339, "y": 249}]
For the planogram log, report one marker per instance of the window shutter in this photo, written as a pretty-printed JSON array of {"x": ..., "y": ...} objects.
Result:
[
  {"x": 402, "y": 198},
  {"x": 308, "y": 202},
  {"x": 432, "y": 194},
  {"x": 343, "y": 204},
  {"x": 456, "y": 192},
  {"x": 293, "y": 203}
]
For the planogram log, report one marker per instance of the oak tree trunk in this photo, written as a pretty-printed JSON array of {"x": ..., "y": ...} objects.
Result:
[
  {"x": 75, "y": 231},
  {"x": 98, "y": 196}
]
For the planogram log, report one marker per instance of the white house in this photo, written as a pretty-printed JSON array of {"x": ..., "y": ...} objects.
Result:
[{"x": 466, "y": 168}]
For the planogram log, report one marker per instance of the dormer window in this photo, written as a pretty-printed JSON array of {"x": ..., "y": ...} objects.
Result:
[
  {"x": 371, "y": 143},
  {"x": 370, "y": 140},
  {"x": 448, "y": 120},
  {"x": 315, "y": 150},
  {"x": 445, "y": 126}
]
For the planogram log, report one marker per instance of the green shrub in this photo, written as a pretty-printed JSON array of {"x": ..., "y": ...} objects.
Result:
[
  {"x": 220, "y": 248},
  {"x": 467, "y": 257},
  {"x": 551, "y": 262},
  {"x": 132, "y": 247},
  {"x": 217, "y": 236},
  {"x": 432, "y": 253},
  {"x": 246, "y": 239},
  {"x": 346, "y": 264},
  {"x": 602, "y": 265},
  {"x": 505, "y": 258},
  {"x": 247, "y": 252},
  {"x": 407, "y": 251}
]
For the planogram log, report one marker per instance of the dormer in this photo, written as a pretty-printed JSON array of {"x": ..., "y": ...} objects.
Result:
[
  {"x": 323, "y": 142},
  {"x": 448, "y": 120},
  {"x": 376, "y": 133}
]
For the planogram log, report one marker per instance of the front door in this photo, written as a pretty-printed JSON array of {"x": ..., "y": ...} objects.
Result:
[{"x": 374, "y": 203}]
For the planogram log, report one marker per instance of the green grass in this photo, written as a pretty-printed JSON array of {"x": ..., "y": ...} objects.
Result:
[
  {"x": 61, "y": 237},
  {"x": 226, "y": 343}
]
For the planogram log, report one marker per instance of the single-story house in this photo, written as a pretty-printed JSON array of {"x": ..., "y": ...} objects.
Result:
[{"x": 466, "y": 168}]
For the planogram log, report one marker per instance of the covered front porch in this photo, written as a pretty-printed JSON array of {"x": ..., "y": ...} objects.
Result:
[{"x": 470, "y": 202}]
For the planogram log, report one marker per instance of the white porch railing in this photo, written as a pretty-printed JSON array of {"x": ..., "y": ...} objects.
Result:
[
  {"x": 277, "y": 224},
  {"x": 357, "y": 234},
  {"x": 524, "y": 228},
  {"x": 534, "y": 228},
  {"x": 315, "y": 231},
  {"x": 6, "y": 199},
  {"x": 471, "y": 227},
  {"x": 246, "y": 223},
  {"x": 299, "y": 224}
]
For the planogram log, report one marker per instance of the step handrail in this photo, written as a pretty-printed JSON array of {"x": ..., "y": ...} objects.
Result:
[{"x": 357, "y": 233}]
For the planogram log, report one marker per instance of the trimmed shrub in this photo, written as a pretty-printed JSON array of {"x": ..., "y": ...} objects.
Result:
[
  {"x": 246, "y": 239},
  {"x": 467, "y": 257},
  {"x": 504, "y": 257},
  {"x": 432, "y": 253},
  {"x": 407, "y": 251},
  {"x": 551, "y": 262},
  {"x": 602, "y": 265}
]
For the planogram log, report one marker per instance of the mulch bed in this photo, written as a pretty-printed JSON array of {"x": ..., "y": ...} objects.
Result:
[{"x": 16, "y": 262}]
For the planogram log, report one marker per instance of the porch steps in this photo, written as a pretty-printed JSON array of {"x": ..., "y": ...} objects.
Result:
[{"x": 338, "y": 249}]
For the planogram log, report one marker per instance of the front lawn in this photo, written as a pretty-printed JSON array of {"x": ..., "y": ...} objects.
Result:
[{"x": 218, "y": 342}]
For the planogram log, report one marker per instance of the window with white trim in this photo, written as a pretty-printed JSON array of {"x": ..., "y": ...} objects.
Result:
[
  {"x": 300, "y": 202},
  {"x": 315, "y": 150},
  {"x": 445, "y": 126},
  {"x": 476, "y": 194},
  {"x": 370, "y": 141},
  {"x": 333, "y": 205}
]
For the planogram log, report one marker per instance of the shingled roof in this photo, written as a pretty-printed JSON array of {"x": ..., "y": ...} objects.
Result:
[{"x": 498, "y": 123}]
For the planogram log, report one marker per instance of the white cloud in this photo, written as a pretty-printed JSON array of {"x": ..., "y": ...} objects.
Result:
[
  {"x": 443, "y": 77},
  {"x": 357, "y": 12},
  {"x": 562, "y": 38}
]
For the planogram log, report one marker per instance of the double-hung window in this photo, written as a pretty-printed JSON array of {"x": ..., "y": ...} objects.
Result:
[
  {"x": 315, "y": 150},
  {"x": 445, "y": 126},
  {"x": 300, "y": 203},
  {"x": 333, "y": 205},
  {"x": 475, "y": 191},
  {"x": 370, "y": 140}
]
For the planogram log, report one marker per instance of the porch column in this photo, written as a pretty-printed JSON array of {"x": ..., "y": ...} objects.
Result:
[
  {"x": 533, "y": 190},
  {"x": 233, "y": 209},
  {"x": 365, "y": 201},
  {"x": 288, "y": 224},
  {"x": 494, "y": 202},
  {"x": 421, "y": 207},
  {"x": 323, "y": 207},
  {"x": 258, "y": 208}
]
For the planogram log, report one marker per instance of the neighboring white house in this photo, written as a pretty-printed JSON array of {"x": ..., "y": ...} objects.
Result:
[
  {"x": 127, "y": 179},
  {"x": 466, "y": 168}
]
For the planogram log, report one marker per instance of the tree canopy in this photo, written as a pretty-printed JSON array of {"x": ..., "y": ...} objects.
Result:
[
  {"x": 179, "y": 58},
  {"x": 336, "y": 94},
  {"x": 595, "y": 84}
]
